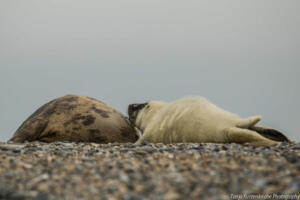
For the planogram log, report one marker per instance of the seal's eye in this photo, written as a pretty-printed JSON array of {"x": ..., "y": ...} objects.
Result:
[
  {"x": 135, "y": 106},
  {"x": 139, "y": 106},
  {"x": 132, "y": 108}
]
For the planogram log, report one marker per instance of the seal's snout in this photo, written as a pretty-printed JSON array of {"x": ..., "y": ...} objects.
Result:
[{"x": 133, "y": 110}]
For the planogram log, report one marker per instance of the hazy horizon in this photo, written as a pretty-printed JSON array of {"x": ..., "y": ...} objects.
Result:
[{"x": 241, "y": 55}]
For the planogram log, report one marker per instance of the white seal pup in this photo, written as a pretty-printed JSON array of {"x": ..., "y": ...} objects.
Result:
[{"x": 197, "y": 120}]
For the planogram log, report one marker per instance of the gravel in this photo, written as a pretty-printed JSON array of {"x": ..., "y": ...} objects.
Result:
[{"x": 60, "y": 170}]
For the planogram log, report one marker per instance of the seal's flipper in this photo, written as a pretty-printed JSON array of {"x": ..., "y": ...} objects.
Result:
[
  {"x": 243, "y": 136},
  {"x": 271, "y": 134},
  {"x": 248, "y": 122},
  {"x": 139, "y": 141}
]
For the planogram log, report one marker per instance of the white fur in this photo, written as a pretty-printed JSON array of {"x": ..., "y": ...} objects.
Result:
[{"x": 193, "y": 120}]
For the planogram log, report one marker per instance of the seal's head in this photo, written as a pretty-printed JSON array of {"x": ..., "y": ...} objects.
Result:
[
  {"x": 140, "y": 115},
  {"x": 133, "y": 110}
]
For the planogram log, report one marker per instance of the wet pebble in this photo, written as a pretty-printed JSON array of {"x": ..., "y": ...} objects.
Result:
[{"x": 148, "y": 171}]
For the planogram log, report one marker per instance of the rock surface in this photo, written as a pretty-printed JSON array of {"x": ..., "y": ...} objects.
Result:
[{"x": 148, "y": 171}]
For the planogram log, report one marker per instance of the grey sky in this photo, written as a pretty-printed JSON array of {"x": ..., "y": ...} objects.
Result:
[{"x": 242, "y": 55}]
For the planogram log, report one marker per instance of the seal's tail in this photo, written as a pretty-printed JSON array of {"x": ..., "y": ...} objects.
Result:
[{"x": 269, "y": 133}]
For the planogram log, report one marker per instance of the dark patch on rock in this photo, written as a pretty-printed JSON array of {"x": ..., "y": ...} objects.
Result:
[
  {"x": 88, "y": 120},
  {"x": 76, "y": 128},
  {"x": 101, "y": 112},
  {"x": 93, "y": 131}
]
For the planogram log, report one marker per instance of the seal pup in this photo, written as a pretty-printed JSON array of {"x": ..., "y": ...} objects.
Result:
[{"x": 197, "y": 120}]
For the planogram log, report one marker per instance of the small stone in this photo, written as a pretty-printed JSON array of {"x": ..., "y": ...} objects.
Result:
[
  {"x": 139, "y": 152},
  {"x": 132, "y": 197},
  {"x": 38, "y": 179},
  {"x": 260, "y": 183}
]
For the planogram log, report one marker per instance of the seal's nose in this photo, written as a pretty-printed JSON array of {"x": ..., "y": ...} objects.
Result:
[{"x": 130, "y": 109}]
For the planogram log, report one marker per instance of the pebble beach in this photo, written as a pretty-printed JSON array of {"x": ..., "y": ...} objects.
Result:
[{"x": 47, "y": 171}]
